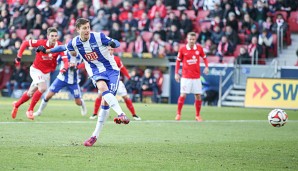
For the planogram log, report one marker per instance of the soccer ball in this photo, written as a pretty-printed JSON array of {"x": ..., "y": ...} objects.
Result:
[{"x": 277, "y": 118}]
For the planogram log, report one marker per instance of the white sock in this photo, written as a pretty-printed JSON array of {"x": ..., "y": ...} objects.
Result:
[
  {"x": 83, "y": 108},
  {"x": 42, "y": 106},
  {"x": 113, "y": 102},
  {"x": 103, "y": 114}
]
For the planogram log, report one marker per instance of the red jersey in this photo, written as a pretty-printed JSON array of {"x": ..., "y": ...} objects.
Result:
[
  {"x": 190, "y": 59},
  {"x": 122, "y": 68},
  {"x": 44, "y": 62}
]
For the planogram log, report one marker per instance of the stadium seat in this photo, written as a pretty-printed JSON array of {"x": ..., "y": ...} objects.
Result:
[
  {"x": 147, "y": 36},
  {"x": 249, "y": 2},
  {"x": 202, "y": 15},
  {"x": 21, "y": 33},
  {"x": 242, "y": 38},
  {"x": 294, "y": 14},
  {"x": 191, "y": 14},
  {"x": 212, "y": 59},
  {"x": 130, "y": 47},
  {"x": 293, "y": 24},
  {"x": 115, "y": 3},
  {"x": 177, "y": 13}
]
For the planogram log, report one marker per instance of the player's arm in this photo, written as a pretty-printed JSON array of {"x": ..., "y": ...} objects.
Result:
[
  {"x": 25, "y": 44},
  {"x": 107, "y": 41},
  {"x": 178, "y": 60},
  {"x": 203, "y": 55},
  {"x": 122, "y": 68}
]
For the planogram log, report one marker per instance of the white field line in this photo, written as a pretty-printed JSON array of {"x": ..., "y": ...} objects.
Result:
[{"x": 140, "y": 122}]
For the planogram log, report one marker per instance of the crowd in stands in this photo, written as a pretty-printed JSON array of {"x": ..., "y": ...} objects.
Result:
[
  {"x": 157, "y": 27},
  {"x": 226, "y": 29}
]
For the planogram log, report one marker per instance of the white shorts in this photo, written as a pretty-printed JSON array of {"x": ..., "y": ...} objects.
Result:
[
  {"x": 121, "y": 89},
  {"x": 38, "y": 76},
  {"x": 191, "y": 86}
]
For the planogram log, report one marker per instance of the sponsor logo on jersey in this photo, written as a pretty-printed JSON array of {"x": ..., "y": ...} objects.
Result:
[
  {"x": 91, "y": 56},
  {"x": 192, "y": 61}
]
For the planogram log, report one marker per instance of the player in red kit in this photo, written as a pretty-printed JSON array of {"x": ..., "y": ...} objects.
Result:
[
  {"x": 190, "y": 55},
  {"x": 40, "y": 70},
  {"x": 121, "y": 90}
]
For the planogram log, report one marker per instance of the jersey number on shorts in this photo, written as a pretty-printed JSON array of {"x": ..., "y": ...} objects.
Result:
[{"x": 91, "y": 56}]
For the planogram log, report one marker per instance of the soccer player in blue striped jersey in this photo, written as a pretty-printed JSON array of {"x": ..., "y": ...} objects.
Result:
[
  {"x": 101, "y": 68},
  {"x": 66, "y": 78}
]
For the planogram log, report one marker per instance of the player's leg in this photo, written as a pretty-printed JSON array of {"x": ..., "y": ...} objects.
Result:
[
  {"x": 184, "y": 89},
  {"x": 76, "y": 92},
  {"x": 96, "y": 106},
  {"x": 44, "y": 103},
  {"x": 197, "y": 91},
  {"x": 102, "y": 117},
  {"x": 123, "y": 93},
  {"x": 24, "y": 98}
]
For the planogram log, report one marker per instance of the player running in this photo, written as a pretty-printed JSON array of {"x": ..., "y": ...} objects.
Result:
[
  {"x": 40, "y": 70},
  {"x": 69, "y": 79},
  {"x": 121, "y": 90},
  {"x": 101, "y": 68},
  {"x": 190, "y": 55}
]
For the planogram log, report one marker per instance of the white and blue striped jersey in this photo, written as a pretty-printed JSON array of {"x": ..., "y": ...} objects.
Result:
[
  {"x": 95, "y": 53},
  {"x": 71, "y": 75}
]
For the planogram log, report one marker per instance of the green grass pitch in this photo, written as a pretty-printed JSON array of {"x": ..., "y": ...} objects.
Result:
[{"x": 228, "y": 139}]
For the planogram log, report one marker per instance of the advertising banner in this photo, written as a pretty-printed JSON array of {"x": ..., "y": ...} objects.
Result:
[{"x": 271, "y": 93}]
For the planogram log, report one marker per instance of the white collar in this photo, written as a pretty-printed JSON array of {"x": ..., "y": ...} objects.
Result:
[
  {"x": 194, "y": 47},
  {"x": 48, "y": 43}
]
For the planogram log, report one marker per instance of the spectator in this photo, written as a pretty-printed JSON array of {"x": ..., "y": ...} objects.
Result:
[
  {"x": 131, "y": 21},
  {"x": 38, "y": 22},
  {"x": 17, "y": 20},
  {"x": 30, "y": 19},
  {"x": 232, "y": 36},
  {"x": 17, "y": 80},
  {"x": 227, "y": 9},
  {"x": 265, "y": 40},
  {"x": 44, "y": 28},
  {"x": 148, "y": 83},
  {"x": 217, "y": 11},
  {"x": 138, "y": 13},
  {"x": 209, "y": 4},
  {"x": 174, "y": 50},
  {"x": 4, "y": 43},
  {"x": 232, "y": 22},
  {"x": 243, "y": 10},
  {"x": 216, "y": 35},
  {"x": 174, "y": 35},
  {"x": 170, "y": 20},
  {"x": 155, "y": 21},
  {"x": 109, "y": 8},
  {"x": 155, "y": 45},
  {"x": 69, "y": 8},
  {"x": 144, "y": 23},
  {"x": 253, "y": 33},
  {"x": 267, "y": 25},
  {"x": 139, "y": 46},
  {"x": 254, "y": 50},
  {"x": 114, "y": 19},
  {"x": 133, "y": 84},
  {"x": 16, "y": 46},
  {"x": 3, "y": 29},
  {"x": 124, "y": 11},
  {"x": 160, "y": 31},
  {"x": 158, "y": 7},
  {"x": 186, "y": 24},
  {"x": 13, "y": 39},
  {"x": 46, "y": 12},
  {"x": 259, "y": 13},
  {"x": 5, "y": 17},
  {"x": 243, "y": 57},
  {"x": 280, "y": 25},
  {"x": 217, "y": 22},
  {"x": 183, "y": 5},
  {"x": 62, "y": 20},
  {"x": 171, "y": 5},
  {"x": 115, "y": 32},
  {"x": 247, "y": 23},
  {"x": 223, "y": 48},
  {"x": 209, "y": 48},
  {"x": 129, "y": 33},
  {"x": 204, "y": 35},
  {"x": 99, "y": 22}
]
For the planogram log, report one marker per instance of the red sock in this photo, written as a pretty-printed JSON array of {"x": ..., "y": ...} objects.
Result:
[
  {"x": 23, "y": 99},
  {"x": 180, "y": 104},
  {"x": 129, "y": 105},
  {"x": 198, "y": 104},
  {"x": 97, "y": 105},
  {"x": 35, "y": 99}
]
